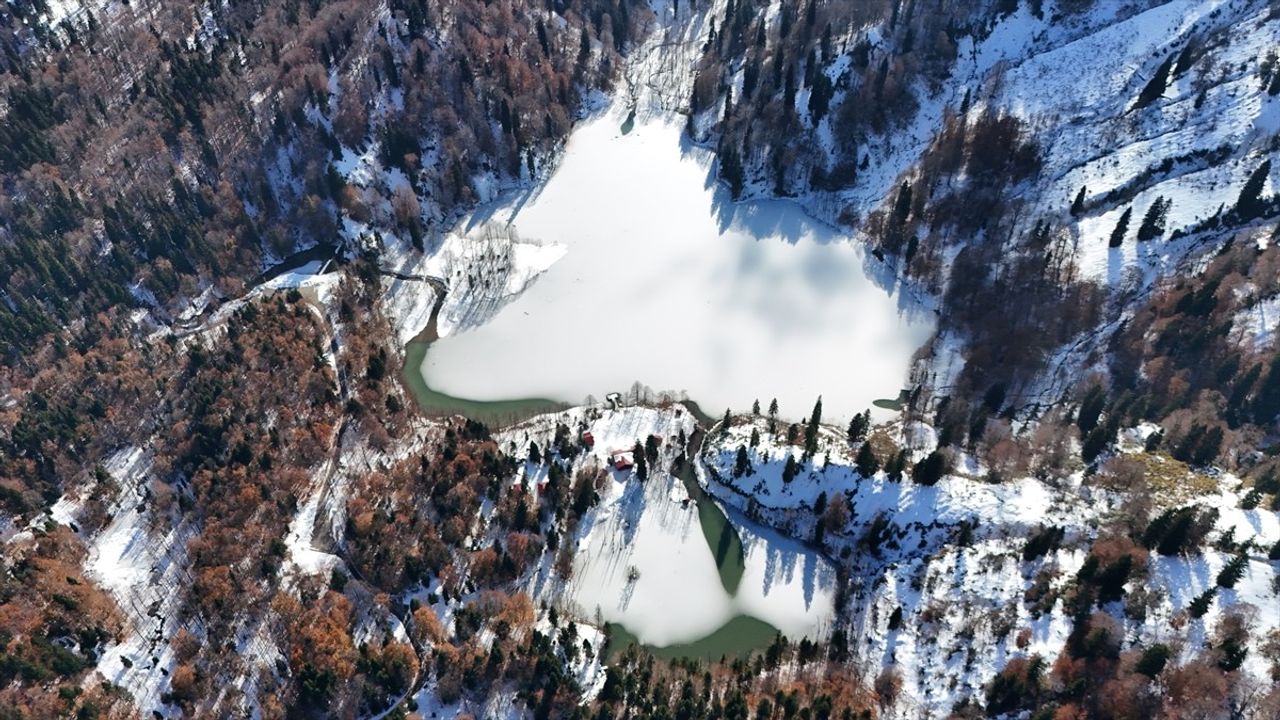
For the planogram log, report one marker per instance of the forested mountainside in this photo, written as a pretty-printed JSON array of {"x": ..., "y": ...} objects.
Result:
[{"x": 218, "y": 500}]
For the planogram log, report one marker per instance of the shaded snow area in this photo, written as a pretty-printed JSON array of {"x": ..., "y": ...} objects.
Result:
[
  {"x": 1257, "y": 324},
  {"x": 949, "y": 557},
  {"x": 640, "y": 556},
  {"x": 667, "y": 282},
  {"x": 145, "y": 573},
  {"x": 482, "y": 268}
]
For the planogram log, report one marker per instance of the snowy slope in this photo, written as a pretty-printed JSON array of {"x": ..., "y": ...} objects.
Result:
[{"x": 965, "y": 606}]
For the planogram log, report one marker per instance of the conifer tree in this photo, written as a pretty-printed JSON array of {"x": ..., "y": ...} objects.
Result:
[
  {"x": 641, "y": 465},
  {"x": 931, "y": 469},
  {"x": 1121, "y": 229},
  {"x": 791, "y": 469},
  {"x": 1077, "y": 205},
  {"x": 811, "y": 430},
  {"x": 1155, "y": 87},
  {"x": 1200, "y": 605},
  {"x": 866, "y": 462},
  {"x": 1250, "y": 205},
  {"x": 724, "y": 424},
  {"x": 1153, "y": 660},
  {"x": 896, "y": 466},
  {"x": 1266, "y": 402},
  {"x": 742, "y": 464},
  {"x": 858, "y": 426},
  {"x": 1153, "y": 222},
  {"x": 1233, "y": 571},
  {"x": 1091, "y": 408},
  {"x": 755, "y": 437}
]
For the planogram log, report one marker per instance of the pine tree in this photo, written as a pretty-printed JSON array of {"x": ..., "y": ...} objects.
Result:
[
  {"x": 755, "y": 407},
  {"x": 535, "y": 455},
  {"x": 724, "y": 424},
  {"x": 902, "y": 205},
  {"x": 791, "y": 469},
  {"x": 1122, "y": 228},
  {"x": 811, "y": 430},
  {"x": 820, "y": 96},
  {"x": 1153, "y": 222},
  {"x": 1251, "y": 500},
  {"x": 1094, "y": 443},
  {"x": 1077, "y": 205},
  {"x": 1266, "y": 402},
  {"x": 866, "y": 462},
  {"x": 1233, "y": 571},
  {"x": 1250, "y": 204},
  {"x": 931, "y": 469},
  {"x": 1091, "y": 408},
  {"x": 651, "y": 448},
  {"x": 858, "y": 427},
  {"x": 1208, "y": 448},
  {"x": 896, "y": 466},
  {"x": 742, "y": 464},
  {"x": 1200, "y": 605},
  {"x": 1155, "y": 87},
  {"x": 755, "y": 437},
  {"x": 642, "y": 466},
  {"x": 1153, "y": 660},
  {"x": 773, "y": 408},
  {"x": 731, "y": 167},
  {"x": 584, "y": 47}
]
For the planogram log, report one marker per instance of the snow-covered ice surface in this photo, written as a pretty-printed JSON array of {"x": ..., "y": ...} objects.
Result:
[{"x": 669, "y": 283}]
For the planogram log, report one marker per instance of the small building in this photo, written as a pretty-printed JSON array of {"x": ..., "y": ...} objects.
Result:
[{"x": 621, "y": 460}]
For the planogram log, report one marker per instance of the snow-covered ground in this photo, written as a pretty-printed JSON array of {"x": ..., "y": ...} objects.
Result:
[
  {"x": 145, "y": 573},
  {"x": 641, "y": 558},
  {"x": 968, "y": 606}
]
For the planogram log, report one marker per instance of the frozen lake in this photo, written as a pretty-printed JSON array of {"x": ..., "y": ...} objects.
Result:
[{"x": 667, "y": 282}]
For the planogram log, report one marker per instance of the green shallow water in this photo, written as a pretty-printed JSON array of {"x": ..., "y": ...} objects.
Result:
[
  {"x": 494, "y": 413},
  {"x": 740, "y": 636}
]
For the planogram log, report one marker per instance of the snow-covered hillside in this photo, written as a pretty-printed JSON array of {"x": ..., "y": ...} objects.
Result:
[{"x": 946, "y": 593}]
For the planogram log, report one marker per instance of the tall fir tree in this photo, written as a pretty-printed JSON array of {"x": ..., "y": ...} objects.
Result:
[
  {"x": 641, "y": 465},
  {"x": 1154, "y": 221},
  {"x": 791, "y": 469},
  {"x": 1250, "y": 204},
  {"x": 811, "y": 430},
  {"x": 867, "y": 463},
  {"x": 1121, "y": 229},
  {"x": 1077, "y": 205}
]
